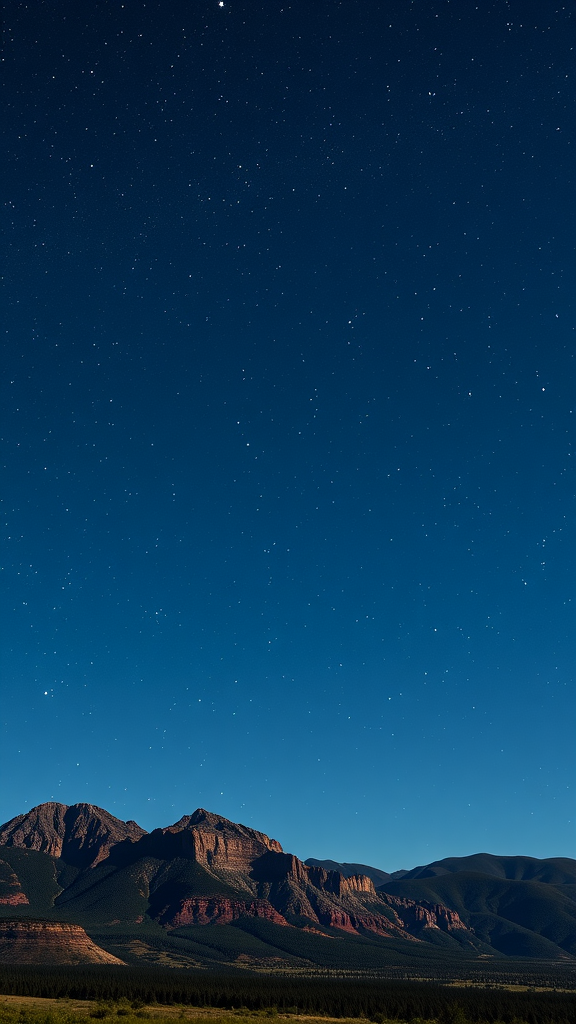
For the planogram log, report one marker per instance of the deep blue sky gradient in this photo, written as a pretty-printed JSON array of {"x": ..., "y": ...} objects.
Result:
[{"x": 287, "y": 412}]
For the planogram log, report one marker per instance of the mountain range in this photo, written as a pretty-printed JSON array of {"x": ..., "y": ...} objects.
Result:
[
  {"x": 520, "y": 906},
  {"x": 206, "y": 892}
]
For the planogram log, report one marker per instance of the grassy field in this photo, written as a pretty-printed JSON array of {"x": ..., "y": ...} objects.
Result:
[{"x": 35, "y": 1010}]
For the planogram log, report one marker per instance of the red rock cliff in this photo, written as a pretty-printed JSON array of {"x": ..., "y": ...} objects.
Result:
[
  {"x": 218, "y": 910},
  {"x": 49, "y": 942}
]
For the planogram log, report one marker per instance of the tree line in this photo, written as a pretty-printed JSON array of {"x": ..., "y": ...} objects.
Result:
[{"x": 374, "y": 1000}]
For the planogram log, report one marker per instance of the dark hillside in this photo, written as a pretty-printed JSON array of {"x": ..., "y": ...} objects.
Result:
[
  {"x": 554, "y": 871},
  {"x": 39, "y": 876},
  {"x": 518, "y": 918}
]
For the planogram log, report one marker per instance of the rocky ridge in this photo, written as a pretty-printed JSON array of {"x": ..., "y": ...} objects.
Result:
[{"x": 204, "y": 869}]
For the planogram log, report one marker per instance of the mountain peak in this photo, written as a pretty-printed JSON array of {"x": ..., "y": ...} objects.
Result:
[
  {"x": 81, "y": 834},
  {"x": 200, "y": 817},
  {"x": 207, "y": 821}
]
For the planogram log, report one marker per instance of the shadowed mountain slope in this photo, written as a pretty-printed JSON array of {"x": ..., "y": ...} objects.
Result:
[{"x": 514, "y": 916}]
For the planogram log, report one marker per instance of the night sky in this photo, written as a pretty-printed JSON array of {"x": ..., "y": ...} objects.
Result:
[{"x": 286, "y": 417}]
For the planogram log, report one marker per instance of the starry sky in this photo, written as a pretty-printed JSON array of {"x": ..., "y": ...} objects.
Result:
[{"x": 286, "y": 417}]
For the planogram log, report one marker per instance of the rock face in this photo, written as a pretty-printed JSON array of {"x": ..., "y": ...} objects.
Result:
[
  {"x": 82, "y": 834},
  {"x": 49, "y": 942},
  {"x": 212, "y": 841},
  {"x": 219, "y": 910}
]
